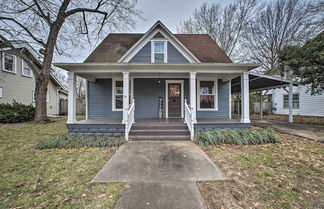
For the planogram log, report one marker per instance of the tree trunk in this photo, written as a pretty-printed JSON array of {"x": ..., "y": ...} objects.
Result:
[{"x": 41, "y": 106}]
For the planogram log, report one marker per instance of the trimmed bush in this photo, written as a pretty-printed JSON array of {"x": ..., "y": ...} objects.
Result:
[
  {"x": 239, "y": 137},
  {"x": 81, "y": 141},
  {"x": 16, "y": 112}
]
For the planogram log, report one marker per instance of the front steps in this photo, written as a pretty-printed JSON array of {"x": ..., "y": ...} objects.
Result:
[{"x": 151, "y": 132}]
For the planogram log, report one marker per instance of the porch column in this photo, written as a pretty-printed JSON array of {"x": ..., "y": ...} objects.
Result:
[
  {"x": 71, "y": 98},
  {"x": 290, "y": 95},
  {"x": 193, "y": 96},
  {"x": 125, "y": 95},
  {"x": 261, "y": 104},
  {"x": 245, "y": 118}
]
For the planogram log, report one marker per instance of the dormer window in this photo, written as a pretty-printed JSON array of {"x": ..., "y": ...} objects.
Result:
[{"x": 159, "y": 52}]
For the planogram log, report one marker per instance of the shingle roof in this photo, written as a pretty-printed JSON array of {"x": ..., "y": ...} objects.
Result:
[{"x": 114, "y": 46}]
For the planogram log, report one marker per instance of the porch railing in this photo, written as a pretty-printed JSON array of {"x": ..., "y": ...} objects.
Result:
[
  {"x": 130, "y": 119},
  {"x": 189, "y": 120}
]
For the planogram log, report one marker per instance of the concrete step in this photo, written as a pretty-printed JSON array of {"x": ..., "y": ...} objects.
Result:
[
  {"x": 159, "y": 138},
  {"x": 158, "y": 127},
  {"x": 166, "y": 132}
]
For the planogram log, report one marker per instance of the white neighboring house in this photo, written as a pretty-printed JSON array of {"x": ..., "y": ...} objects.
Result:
[
  {"x": 303, "y": 102},
  {"x": 17, "y": 81}
]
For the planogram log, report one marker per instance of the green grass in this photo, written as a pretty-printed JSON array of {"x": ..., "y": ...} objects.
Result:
[
  {"x": 81, "y": 141},
  {"x": 238, "y": 137},
  {"x": 275, "y": 175},
  {"x": 56, "y": 178}
]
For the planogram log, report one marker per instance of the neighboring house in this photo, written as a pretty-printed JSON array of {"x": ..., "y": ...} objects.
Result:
[
  {"x": 152, "y": 78},
  {"x": 17, "y": 82},
  {"x": 303, "y": 102}
]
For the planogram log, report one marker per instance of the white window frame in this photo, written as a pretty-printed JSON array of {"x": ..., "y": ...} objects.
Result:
[
  {"x": 1, "y": 92},
  {"x": 3, "y": 63},
  {"x": 215, "y": 95},
  {"x": 113, "y": 100},
  {"x": 165, "y": 42},
  {"x": 33, "y": 96},
  {"x": 23, "y": 62},
  {"x": 283, "y": 101}
]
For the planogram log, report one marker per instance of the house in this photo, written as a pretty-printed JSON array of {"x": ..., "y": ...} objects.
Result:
[
  {"x": 303, "y": 102},
  {"x": 157, "y": 84},
  {"x": 17, "y": 81}
]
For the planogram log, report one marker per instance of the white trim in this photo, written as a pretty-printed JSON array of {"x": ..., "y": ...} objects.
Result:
[
  {"x": 33, "y": 96},
  {"x": 113, "y": 100},
  {"x": 23, "y": 67},
  {"x": 3, "y": 63},
  {"x": 165, "y": 53},
  {"x": 167, "y": 96},
  {"x": 149, "y": 35},
  {"x": 86, "y": 99},
  {"x": 230, "y": 99},
  {"x": 215, "y": 95},
  {"x": 1, "y": 92}
]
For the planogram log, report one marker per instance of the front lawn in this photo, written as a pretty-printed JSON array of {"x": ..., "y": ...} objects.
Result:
[
  {"x": 33, "y": 178},
  {"x": 289, "y": 174}
]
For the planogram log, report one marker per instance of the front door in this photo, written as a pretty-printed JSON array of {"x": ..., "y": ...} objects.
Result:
[{"x": 174, "y": 100}]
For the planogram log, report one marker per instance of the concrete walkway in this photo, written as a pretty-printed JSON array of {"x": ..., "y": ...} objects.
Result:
[
  {"x": 161, "y": 174},
  {"x": 312, "y": 132}
]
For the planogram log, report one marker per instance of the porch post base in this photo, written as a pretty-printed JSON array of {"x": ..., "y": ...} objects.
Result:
[{"x": 245, "y": 120}]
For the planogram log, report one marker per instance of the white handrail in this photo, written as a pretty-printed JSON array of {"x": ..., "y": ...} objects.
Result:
[
  {"x": 189, "y": 120},
  {"x": 130, "y": 119}
]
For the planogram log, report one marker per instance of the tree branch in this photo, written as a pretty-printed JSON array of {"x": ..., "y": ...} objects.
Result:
[{"x": 25, "y": 29}]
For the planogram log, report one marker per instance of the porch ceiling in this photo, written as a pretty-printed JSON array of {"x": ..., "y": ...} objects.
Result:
[
  {"x": 155, "y": 67},
  {"x": 258, "y": 82}
]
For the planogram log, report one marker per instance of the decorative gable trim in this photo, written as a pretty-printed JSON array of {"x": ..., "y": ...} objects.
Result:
[{"x": 158, "y": 29}]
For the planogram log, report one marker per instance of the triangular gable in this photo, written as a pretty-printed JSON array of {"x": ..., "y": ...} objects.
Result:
[
  {"x": 158, "y": 35},
  {"x": 158, "y": 29}
]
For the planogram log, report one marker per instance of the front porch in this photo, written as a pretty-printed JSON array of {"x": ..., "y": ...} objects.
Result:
[{"x": 150, "y": 128}]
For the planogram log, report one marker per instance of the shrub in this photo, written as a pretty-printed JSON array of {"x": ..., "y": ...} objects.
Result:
[
  {"x": 81, "y": 141},
  {"x": 16, "y": 112},
  {"x": 239, "y": 137}
]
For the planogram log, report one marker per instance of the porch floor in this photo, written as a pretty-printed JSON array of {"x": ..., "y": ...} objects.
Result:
[{"x": 159, "y": 122}]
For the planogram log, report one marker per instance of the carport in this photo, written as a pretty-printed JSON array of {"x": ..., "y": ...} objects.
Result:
[{"x": 262, "y": 84}]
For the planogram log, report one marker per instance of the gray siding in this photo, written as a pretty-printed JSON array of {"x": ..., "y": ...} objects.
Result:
[
  {"x": 144, "y": 55},
  {"x": 146, "y": 94},
  {"x": 223, "y": 103},
  {"x": 100, "y": 100},
  {"x": 174, "y": 56}
]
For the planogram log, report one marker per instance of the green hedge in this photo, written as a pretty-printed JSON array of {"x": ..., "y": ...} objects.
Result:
[
  {"x": 239, "y": 137},
  {"x": 16, "y": 112},
  {"x": 81, "y": 141}
]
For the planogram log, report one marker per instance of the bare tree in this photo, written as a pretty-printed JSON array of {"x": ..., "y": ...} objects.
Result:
[
  {"x": 80, "y": 88},
  {"x": 57, "y": 26},
  {"x": 281, "y": 23},
  {"x": 224, "y": 25}
]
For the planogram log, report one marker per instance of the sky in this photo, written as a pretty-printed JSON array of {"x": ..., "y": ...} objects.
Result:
[{"x": 169, "y": 12}]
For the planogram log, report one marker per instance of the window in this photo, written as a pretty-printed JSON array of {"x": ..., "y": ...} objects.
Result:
[
  {"x": 9, "y": 63},
  {"x": 295, "y": 101},
  {"x": 159, "y": 52},
  {"x": 33, "y": 96},
  {"x": 0, "y": 92},
  {"x": 26, "y": 71},
  {"x": 207, "y": 95},
  {"x": 118, "y": 95}
]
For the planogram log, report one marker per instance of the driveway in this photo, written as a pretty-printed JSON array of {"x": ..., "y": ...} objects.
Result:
[
  {"x": 160, "y": 174},
  {"x": 312, "y": 132}
]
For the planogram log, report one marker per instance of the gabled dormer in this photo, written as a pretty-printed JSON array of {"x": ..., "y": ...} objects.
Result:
[{"x": 158, "y": 45}]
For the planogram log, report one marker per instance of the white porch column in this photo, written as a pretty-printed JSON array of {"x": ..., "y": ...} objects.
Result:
[
  {"x": 125, "y": 95},
  {"x": 261, "y": 104},
  {"x": 193, "y": 97},
  {"x": 245, "y": 118},
  {"x": 290, "y": 95},
  {"x": 71, "y": 98}
]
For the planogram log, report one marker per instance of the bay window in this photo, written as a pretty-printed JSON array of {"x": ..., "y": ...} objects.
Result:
[{"x": 207, "y": 97}]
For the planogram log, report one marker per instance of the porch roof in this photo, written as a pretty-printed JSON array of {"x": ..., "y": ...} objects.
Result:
[
  {"x": 259, "y": 82},
  {"x": 156, "y": 67}
]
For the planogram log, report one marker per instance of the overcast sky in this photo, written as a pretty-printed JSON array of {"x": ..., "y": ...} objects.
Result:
[{"x": 169, "y": 12}]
